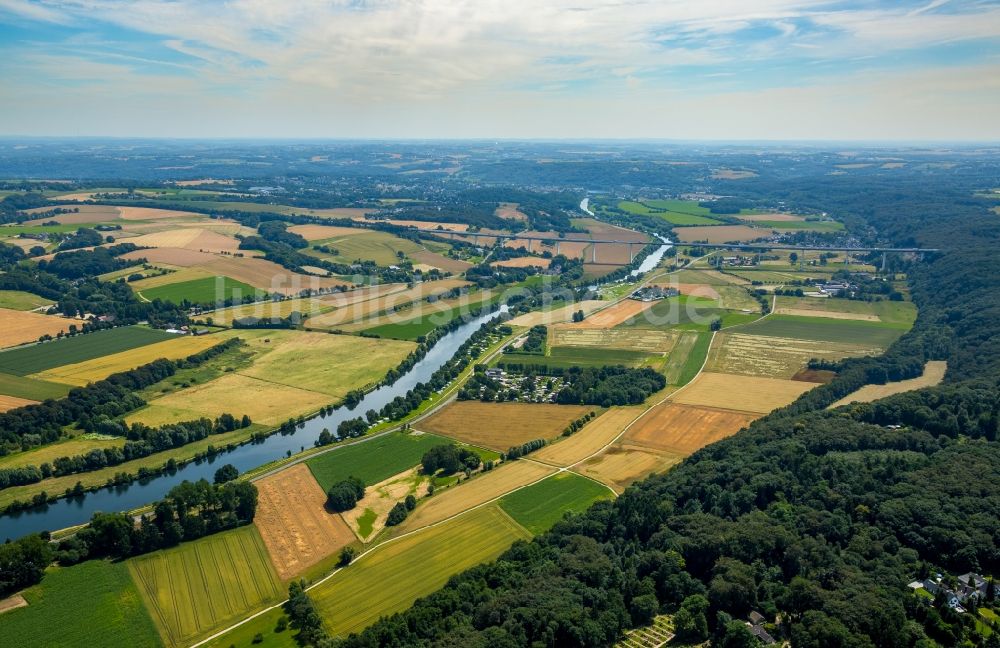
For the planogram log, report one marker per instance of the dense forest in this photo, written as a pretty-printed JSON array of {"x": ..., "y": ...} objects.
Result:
[{"x": 815, "y": 517}]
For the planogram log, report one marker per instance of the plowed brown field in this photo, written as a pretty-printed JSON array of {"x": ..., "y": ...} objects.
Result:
[
  {"x": 297, "y": 530},
  {"x": 683, "y": 429}
]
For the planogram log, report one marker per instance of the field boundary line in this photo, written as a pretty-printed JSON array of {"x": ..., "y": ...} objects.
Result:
[{"x": 646, "y": 411}]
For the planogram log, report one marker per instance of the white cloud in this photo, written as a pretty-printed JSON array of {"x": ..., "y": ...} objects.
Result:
[{"x": 318, "y": 62}]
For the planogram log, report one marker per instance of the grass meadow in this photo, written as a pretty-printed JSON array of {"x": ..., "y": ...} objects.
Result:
[
  {"x": 824, "y": 329},
  {"x": 202, "y": 291},
  {"x": 91, "y": 604},
  {"x": 374, "y": 460},
  {"x": 539, "y": 506},
  {"x": 394, "y": 575}
]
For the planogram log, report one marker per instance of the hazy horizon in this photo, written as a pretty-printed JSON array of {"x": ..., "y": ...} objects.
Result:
[{"x": 721, "y": 71}]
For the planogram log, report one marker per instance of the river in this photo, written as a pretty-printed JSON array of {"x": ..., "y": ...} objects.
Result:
[{"x": 67, "y": 512}]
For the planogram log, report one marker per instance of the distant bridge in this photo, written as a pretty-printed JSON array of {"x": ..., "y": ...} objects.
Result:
[{"x": 556, "y": 240}]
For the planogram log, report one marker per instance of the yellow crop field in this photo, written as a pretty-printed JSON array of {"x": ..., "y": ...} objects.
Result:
[
  {"x": 264, "y": 402},
  {"x": 741, "y": 393},
  {"x": 292, "y": 373},
  {"x": 557, "y": 315},
  {"x": 203, "y": 585},
  {"x": 774, "y": 357},
  {"x": 479, "y": 490},
  {"x": 590, "y": 439},
  {"x": 393, "y": 576},
  {"x": 611, "y": 316},
  {"x": 623, "y": 464},
  {"x": 52, "y": 451},
  {"x": 328, "y": 364},
  {"x": 933, "y": 374},
  {"x": 81, "y": 373},
  {"x": 683, "y": 429},
  {"x": 628, "y": 339},
  {"x": 20, "y": 327},
  {"x": 189, "y": 238},
  {"x": 719, "y": 233},
  {"x": 499, "y": 426}
]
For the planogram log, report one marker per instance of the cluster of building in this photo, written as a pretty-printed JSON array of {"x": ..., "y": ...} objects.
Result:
[
  {"x": 653, "y": 293},
  {"x": 543, "y": 389},
  {"x": 739, "y": 261},
  {"x": 970, "y": 588}
]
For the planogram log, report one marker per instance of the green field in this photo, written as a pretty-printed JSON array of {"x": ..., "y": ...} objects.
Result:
[
  {"x": 373, "y": 461},
  {"x": 91, "y": 604},
  {"x": 683, "y": 312},
  {"x": 21, "y": 300},
  {"x": 203, "y": 291},
  {"x": 39, "y": 357},
  {"x": 265, "y": 624},
  {"x": 695, "y": 358},
  {"x": 380, "y": 247},
  {"x": 393, "y": 576},
  {"x": 201, "y": 586},
  {"x": 22, "y": 387},
  {"x": 824, "y": 329},
  {"x": 898, "y": 314},
  {"x": 812, "y": 226},
  {"x": 539, "y": 506},
  {"x": 574, "y": 356},
  {"x": 676, "y": 212}
]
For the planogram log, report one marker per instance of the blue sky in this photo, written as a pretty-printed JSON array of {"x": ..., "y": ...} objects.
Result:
[{"x": 712, "y": 69}]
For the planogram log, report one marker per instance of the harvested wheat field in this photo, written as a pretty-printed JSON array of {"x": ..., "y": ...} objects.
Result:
[
  {"x": 474, "y": 492},
  {"x": 152, "y": 213},
  {"x": 171, "y": 256},
  {"x": 320, "y": 232},
  {"x": 774, "y": 357},
  {"x": 705, "y": 291},
  {"x": 292, "y": 519},
  {"x": 499, "y": 426},
  {"x": 429, "y": 225},
  {"x": 596, "y": 434},
  {"x": 357, "y": 307},
  {"x": 510, "y": 211},
  {"x": 267, "y": 275},
  {"x": 8, "y": 403},
  {"x": 81, "y": 373},
  {"x": 719, "y": 233},
  {"x": 557, "y": 315},
  {"x": 369, "y": 516},
  {"x": 614, "y": 315},
  {"x": 83, "y": 214},
  {"x": 741, "y": 393},
  {"x": 628, "y": 339},
  {"x": 189, "y": 238},
  {"x": 21, "y": 327},
  {"x": 447, "y": 264},
  {"x": 522, "y": 262},
  {"x": 933, "y": 374},
  {"x": 683, "y": 429},
  {"x": 623, "y": 464}
]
